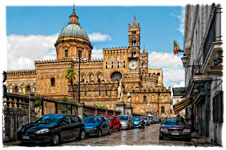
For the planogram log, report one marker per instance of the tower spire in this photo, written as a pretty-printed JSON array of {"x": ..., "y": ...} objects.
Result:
[{"x": 134, "y": 21}]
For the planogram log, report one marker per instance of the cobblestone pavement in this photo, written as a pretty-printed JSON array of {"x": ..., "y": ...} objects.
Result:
[{"x": 147, "y": 136}]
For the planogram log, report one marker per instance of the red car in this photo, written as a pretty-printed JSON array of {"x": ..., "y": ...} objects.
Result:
[{"x": 115, "y": 122}]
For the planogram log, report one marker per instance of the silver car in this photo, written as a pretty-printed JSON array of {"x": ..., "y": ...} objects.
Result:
[{"x": 126, "y": 121}]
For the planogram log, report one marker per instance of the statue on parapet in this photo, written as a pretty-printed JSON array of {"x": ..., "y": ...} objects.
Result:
[
  {"x": 128, "y": 98},
  {"x": 120, "y": 92}
]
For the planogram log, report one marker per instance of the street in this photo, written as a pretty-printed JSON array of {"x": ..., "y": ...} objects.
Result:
[{"x": 147, "y": 136}]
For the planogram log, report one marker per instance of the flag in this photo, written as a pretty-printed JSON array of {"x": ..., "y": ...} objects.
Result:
[{"x": 176, "y": 48}]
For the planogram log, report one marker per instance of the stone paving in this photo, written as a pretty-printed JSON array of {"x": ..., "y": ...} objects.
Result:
[{"x": 147, "y": 136}]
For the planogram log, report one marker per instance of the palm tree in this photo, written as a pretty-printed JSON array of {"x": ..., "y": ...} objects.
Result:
[{"x": 70, "y": 75}]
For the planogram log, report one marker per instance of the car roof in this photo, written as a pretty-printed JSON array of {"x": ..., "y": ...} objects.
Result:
[{"x": 109, "y": 116}]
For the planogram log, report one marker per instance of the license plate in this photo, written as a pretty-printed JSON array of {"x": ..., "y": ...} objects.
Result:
[
  {"x": 175, "y": 133},
  {"x": 26, "y": 137}
]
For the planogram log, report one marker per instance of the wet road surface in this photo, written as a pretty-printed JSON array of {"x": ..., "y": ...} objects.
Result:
[{"x": 136, "y": 136}]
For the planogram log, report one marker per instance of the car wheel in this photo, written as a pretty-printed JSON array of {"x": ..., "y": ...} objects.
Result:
[
  {"x": 188, "y": 139},
  {"x": 160, "y": 137},
  {"x": 120, "y": 128},
  {"x": 82, "y": 135},
  {"x": 55, "y": 140},
  {"x": 99, "y": 133},
  {"x": 109, "y": 131}
]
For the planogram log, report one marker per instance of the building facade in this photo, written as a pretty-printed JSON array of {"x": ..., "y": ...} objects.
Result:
[
  {"x": 203, "y": 54},
  {"x": 99, "y": 79}
]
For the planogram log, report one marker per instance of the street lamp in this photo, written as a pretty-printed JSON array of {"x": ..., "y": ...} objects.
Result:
[
  {"x": 79, "y": 59},
  {"x": 184, "y": 60}
]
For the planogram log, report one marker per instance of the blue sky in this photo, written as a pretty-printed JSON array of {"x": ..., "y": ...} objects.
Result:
[{"x": 32, "y": 31}]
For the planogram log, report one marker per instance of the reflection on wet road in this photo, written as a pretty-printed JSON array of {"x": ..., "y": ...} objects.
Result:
[{"x": 147, "y": 136}]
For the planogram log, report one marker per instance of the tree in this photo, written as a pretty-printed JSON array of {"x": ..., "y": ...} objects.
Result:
[{"x": 70, "y": 75}]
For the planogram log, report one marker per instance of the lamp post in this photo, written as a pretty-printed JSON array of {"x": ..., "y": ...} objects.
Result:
[{"x": 79, "y": 59}]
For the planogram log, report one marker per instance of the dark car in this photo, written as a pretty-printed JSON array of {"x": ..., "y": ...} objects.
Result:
[
  {"x": 175, "y": 127},
  {"x": 97, "y": 125},
  {"x": 52, "y": 128},
  {"x": 114, "y": 121}
]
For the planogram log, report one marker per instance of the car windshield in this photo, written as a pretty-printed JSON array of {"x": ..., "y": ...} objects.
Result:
[
  {"x": 109, "y": 118},
  {"x": 123, "y": 117},
  {"x": 91, "y": 120},
  {"x": 136, "y": 118},
  {"x": 174, "y": 121},
  {"x": 48, "y": 119}
]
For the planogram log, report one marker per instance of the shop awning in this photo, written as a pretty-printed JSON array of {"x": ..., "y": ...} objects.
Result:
[{"x": 181, "y": 105}]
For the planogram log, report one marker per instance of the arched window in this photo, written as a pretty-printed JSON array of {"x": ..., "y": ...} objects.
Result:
[
  {"x": 118, "y": 64},
  {"x": 106, "y": 65},
  {"x": 158, "y": 74},
  {"x": 28, "y": 89},
  {"x": 16, "y": 89},
  {"x": 134, "y": 43},
  {"x": 99, "y": 92},
  {"x": 66, "y": 53},
  {"x": 124, "y": 64},
  {"x": 85, "y": 93},
  {"x": 145, "y": 98},
  {"x": 52, "y": 81},
  {"x": 112, "y": 64},
  {"x": 143, "y": 65},
  {"x": 134, "y": 54}
]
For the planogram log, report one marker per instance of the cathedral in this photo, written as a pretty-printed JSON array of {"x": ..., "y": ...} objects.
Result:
[{"x": 99, "y": 78}]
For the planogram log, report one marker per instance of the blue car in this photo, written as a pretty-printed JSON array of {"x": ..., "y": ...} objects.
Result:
[
  {"x": 97, "y": 126},
  {"x": 136, "y": 121}
]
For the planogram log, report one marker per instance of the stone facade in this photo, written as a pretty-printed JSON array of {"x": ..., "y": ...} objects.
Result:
[
  {"x": 203, "y": 51},
  {"x": 99, "y": 78}
]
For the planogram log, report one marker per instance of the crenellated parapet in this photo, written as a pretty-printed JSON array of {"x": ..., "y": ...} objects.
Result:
[
  {"x": 21, "y": 72},
  {"x": 116, "y": 50}
]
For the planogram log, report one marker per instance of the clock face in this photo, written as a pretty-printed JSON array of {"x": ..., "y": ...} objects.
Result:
[{"x": 133, "y": 65}]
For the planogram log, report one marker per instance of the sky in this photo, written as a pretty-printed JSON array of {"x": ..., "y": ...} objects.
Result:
[{"x": 32, "y": 31}]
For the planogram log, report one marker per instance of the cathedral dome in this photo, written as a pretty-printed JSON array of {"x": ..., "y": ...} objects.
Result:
[{"x": 73, "y": 30}]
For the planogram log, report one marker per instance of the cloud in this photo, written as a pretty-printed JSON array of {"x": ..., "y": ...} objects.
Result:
[
  {"x": 22, "y": 50},
  {"x": 181, "y": 18},
  {"x": 97, "y": 53},
  {"x": 173, "y": 71},
  {"x": 99, "y": 37},
  {"x": 181, "y": 84}
]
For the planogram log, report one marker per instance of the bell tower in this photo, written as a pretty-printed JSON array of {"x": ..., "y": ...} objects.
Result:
[{"x": 134, "y": 38}]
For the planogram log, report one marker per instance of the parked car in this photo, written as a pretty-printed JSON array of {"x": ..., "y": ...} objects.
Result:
[
  {"x": 159, "y": 120},
  {"x": 52, "y": 128},
  {"x": 97, "y": 126},
  {"x": 114, "y": 122},
  {"x": 175, "y": 127},
  {"x": 156, "y": 120},
  {"x": 151, "y": 119},
  {"x": 147, "y": 121},
  {"x": 126, "y": 121},
  {"x": 136, "y": 121}
]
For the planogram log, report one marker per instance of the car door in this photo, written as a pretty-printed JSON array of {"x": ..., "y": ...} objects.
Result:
[
  {"x": 66, "y": 128},
  {"x": 114, "y": 122},
  {"x": 104, "y": 125},
  {"x": 77, "y": 125}
]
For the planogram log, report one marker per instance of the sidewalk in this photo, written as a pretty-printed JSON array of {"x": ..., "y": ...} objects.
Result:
[{"x": 199, "y": 140}]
